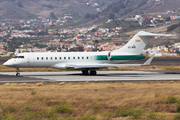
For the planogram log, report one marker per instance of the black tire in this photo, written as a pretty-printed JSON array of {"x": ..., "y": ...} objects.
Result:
[
  {"x": 85, "y": 72},
  {"x": 17, "y": 74},
  {"x": 93, "y": 72}
]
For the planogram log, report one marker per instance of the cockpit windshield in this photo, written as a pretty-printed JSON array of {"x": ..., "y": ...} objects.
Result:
[{"x": 19, "y": 57}]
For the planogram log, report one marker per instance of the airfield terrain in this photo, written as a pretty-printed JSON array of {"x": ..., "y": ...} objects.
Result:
[
  {"x": 90, "y": 101},
  {"x": 144, "y": 92}
]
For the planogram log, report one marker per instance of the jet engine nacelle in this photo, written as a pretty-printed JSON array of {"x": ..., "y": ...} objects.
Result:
[{"x": 109, "y": 56}]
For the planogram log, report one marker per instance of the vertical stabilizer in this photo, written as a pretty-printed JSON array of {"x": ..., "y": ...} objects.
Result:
[{"x": 138, "y": 42}]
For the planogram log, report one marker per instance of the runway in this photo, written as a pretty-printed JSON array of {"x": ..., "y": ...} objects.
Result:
[{"x": 76, "y": 76}]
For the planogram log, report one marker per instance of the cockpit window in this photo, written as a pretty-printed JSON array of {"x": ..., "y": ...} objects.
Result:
[{"x": 19, "y": 57}]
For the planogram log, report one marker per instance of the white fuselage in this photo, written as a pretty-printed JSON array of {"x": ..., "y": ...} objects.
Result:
[{"x": 49, "y": 59}]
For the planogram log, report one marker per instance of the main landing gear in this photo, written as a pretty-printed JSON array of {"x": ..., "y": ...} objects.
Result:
[
  {"x": 92, "y": 72},
  {"x": 17, "y": 72}
]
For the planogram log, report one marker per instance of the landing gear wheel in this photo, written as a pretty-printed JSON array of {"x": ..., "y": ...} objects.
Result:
[
  {"x": 17, "y": 74},
  {"x": 85, "y": 72},
  {"x": 93, "y": 72}
]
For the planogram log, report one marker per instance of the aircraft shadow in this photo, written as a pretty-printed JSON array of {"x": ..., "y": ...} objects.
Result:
[{"x": 79, "y": 74}]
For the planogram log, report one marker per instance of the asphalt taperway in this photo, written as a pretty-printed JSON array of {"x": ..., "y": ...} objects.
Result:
[
  {"x": 76, "y": 76},
  {"x": 20, "y": 79}
]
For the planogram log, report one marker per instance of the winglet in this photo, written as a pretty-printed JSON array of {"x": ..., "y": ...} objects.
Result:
[{"x": 148, "y": 62}]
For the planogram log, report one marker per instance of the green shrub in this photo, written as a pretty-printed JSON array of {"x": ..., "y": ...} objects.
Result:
[
  {"x": 9, "y": 108},
  {"x": 177, "y": 116},
  {"x": 151, "y": 115},
  {"x": 171, "y": 99},
  {"x": 51, "y": 115},
  {"x": 96, "y": 106},
  {"x": 30, "y": 116},
  {"x": 27, "y": 107},
  {"x": 1, "y": 116},
  {"x": 33, "y": 92},
  {"x": 9, "y": 117},
  {"x": 88, "y": 117},
  {"x": 167, "y": 100},
  {"x": 121, "y": 112},
  {"x": 40, "y": 98},
  {"x": 38, "y": 115},
  {"x": 161, "y": 100},
  {"x": 66, "y": 108},
  {"x": 124, "y": 112},
  {"x": 178, "y": 106},
  {"x": 156, "y": 116},
  {"x": 106, "y": 114}
]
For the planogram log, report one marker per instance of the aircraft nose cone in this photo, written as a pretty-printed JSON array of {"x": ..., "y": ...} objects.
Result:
[{"x": 8, "y": 64}]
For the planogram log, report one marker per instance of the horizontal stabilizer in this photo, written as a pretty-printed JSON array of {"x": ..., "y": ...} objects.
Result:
[
  {"x": 147, "y": 34},
  {"x": 148, "y": 62}
]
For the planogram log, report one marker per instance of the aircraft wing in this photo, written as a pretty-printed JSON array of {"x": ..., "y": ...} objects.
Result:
[{"x": 98, "y": 66}]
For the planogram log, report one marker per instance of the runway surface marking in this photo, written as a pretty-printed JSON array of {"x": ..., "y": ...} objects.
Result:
[{"x": 76, "y": 76}]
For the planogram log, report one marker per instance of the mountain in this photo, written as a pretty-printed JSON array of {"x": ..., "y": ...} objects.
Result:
[
  {"x": 34, "y": 8},
  {"x": 9, "y": 10}
]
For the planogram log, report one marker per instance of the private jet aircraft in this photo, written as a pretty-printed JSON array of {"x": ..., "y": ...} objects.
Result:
[{"x": 85, "y": 61}]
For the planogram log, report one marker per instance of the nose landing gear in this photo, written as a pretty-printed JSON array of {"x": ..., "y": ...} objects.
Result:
[{"x": 17, "y": 72}]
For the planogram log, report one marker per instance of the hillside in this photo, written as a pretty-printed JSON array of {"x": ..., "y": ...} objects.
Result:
[
  {"x": 9, "y": 10},
  {"x": 33, "y": 8}
]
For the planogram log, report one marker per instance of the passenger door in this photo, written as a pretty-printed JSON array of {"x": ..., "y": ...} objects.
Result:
[{"x": 30, "y": 60}]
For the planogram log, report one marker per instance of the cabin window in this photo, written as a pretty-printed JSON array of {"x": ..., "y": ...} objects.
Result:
[
  {"x": 69, "y": 58},
  {"x": 60, "y": 58},
  {"x": 46, "y": 58},
  {"x": 42, "y": 58},
  {"x": 51, "y": 58},
  {"x": 78, "y": 57},
  {"x": 73, "y": 57},
  {"x": 64, "y": 57},
  {"x": 37, "y": 58},
  {"x": 87, "y": 57},
  {"x": 55, "y": 58},
  {"x": 82, "y": 57}
]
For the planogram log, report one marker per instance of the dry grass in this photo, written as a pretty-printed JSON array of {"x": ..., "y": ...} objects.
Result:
[
  {"x": 39, "y": 84},
  {"x": 95, "y": 99}
]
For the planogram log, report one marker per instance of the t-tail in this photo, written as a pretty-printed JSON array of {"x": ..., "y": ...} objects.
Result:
[{"x": 136, "y": 45}]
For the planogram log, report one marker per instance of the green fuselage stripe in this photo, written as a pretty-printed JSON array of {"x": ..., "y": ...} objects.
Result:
[{"x": 120, "y": 57}]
